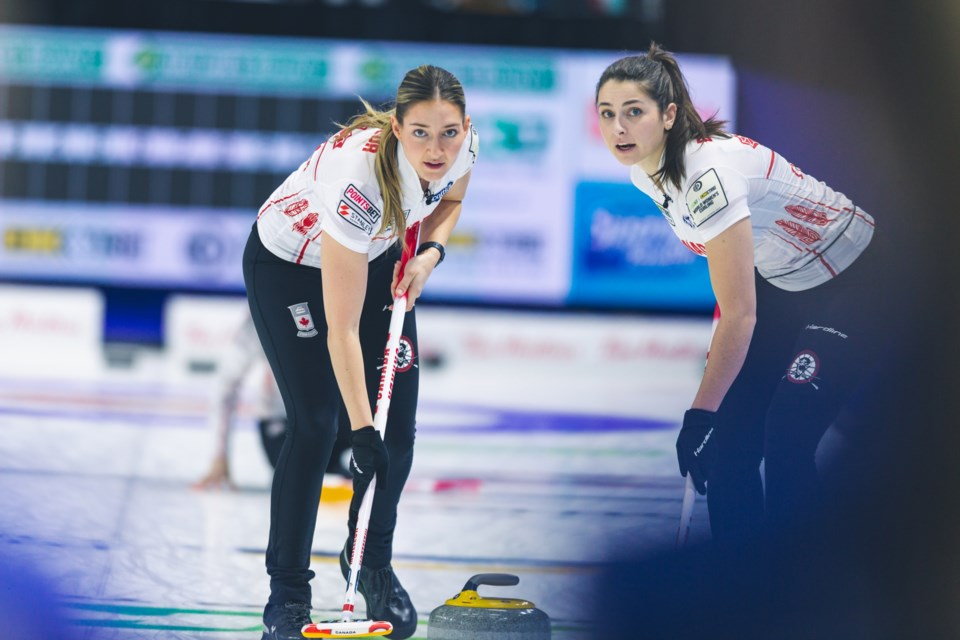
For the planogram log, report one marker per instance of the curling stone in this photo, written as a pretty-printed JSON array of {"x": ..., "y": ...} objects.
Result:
[{"x": 467, "y": 616}]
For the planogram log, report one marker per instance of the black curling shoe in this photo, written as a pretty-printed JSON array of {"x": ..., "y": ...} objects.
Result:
[
  {"x": 385, "y": 597},
  {"x": 284, "y": 622}
]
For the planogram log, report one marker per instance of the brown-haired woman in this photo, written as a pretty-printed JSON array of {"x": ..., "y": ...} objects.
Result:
[{"x": 793, "y": 265}]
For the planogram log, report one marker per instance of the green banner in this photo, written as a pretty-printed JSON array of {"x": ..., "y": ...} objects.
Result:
[
  {"x": 381, "y": 70},
  {"x": 42, "y": 55},
  {"x": 512, "y": 135},
  {"x": 255, "y": 64}
]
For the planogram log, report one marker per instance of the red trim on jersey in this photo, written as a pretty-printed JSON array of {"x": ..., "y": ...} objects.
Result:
[
  {"x": 306, "y": 243},
  {"x": 770, "y": 168},
  {"x": 833, "y": 274},
  {"x": 844, "y": 210},
  {"x": 822, "y": 204},
  {"x": 323, "y": 148},
  {"x": 273, "y": 202}
]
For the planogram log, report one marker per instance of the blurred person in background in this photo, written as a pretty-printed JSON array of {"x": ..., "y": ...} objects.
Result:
[
  {"x": 321, "y": 268},
  {"x": 242, "y": 356}
]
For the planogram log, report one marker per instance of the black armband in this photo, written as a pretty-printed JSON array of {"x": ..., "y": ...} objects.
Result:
[{"x": 433, "y": 245}]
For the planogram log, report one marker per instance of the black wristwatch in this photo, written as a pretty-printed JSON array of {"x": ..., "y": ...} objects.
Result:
[{"x": 433, "y": 245}]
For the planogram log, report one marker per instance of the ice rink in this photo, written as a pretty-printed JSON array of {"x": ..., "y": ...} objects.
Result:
[{"x": 545, "y": 447}]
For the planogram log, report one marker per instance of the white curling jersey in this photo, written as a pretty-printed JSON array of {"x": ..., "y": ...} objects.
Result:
[
  {"x": 804, "y": 232},
  {"x": 335, "y": 191}
]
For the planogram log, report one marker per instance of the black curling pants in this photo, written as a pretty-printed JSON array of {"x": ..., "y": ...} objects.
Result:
[
  {"x": 296, "y": 348},
  {"x": 810, "y": 351}
]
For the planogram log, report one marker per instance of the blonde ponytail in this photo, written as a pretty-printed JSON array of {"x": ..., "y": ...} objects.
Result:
[{"x": 384, "y": 164}]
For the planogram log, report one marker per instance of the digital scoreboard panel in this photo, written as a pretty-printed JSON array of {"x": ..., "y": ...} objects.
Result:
[{"x": 141, "y": 158}]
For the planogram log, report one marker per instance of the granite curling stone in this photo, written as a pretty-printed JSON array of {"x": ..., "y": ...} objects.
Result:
[{"x": 468, "y": 616}]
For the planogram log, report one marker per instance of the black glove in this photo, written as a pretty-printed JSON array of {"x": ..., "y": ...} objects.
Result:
[
  {"x": 697, "y": 447},
  {"x": 369, "y": 457}
]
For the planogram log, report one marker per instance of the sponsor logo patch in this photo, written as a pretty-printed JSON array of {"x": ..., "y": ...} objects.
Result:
[
  {"x": 705, "y": 197},
  {"x": 303, "y": 320},
  {"x": 804, "y": 368},
  {"x": 405, "y": 355},
  {"x": 430, "y": 197},
  {"x": 362, "y": 203},
  {"x": 354, "y": 217}
]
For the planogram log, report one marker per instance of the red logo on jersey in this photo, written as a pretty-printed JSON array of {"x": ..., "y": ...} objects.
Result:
[
  {"x": 353, "y": 194},
  {"x": 341, "y": 138},
  {"x": 344, "y": 209},
  {"x": 811, "y": 216},
  {"x": 303, "y": 226},
  {"x": 705, "y": 139},
  {"x": 696, "y": 247},
  {"x": 747, "y": 141},
  {"x": 798, "y": 231},
  {"x": 373, "y": 143},
  {"x": 296, "y": 208},
  {"x": 796, "y": 171}
]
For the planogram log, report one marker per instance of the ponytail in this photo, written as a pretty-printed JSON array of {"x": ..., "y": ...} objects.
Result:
[
  {"x": 658, "y": 74},
  {"x": 384, "y": 164}
]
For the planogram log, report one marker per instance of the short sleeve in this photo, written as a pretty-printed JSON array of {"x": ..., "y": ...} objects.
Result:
[
  {"x": 354, "y": 220},
  {"x": 716, "y": 199}
]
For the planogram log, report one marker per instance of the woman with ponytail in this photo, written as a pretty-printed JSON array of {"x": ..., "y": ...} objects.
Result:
[
  {"x": 320, "y": 268},
  {"x": 793, "y": 265}
]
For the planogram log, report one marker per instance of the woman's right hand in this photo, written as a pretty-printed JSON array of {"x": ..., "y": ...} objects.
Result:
[{"x": 415, "y": 275}]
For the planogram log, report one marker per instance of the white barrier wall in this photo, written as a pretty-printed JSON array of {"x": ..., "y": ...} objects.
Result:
[
  {"x": 551, "y": 358},
  {"x": 51, "y": 331},
  {"x": 470, "y": 356},
  {"x": 197, "y": 329}
]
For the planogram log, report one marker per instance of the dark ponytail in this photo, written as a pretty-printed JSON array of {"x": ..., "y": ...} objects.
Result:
[{"x": 658, "y": 73}]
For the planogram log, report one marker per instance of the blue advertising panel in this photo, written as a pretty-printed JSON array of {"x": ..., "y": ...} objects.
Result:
[{"x": 626, "y": 256}]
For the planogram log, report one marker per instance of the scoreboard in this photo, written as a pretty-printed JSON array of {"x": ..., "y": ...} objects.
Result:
[{"x": 141, "y": 158}]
